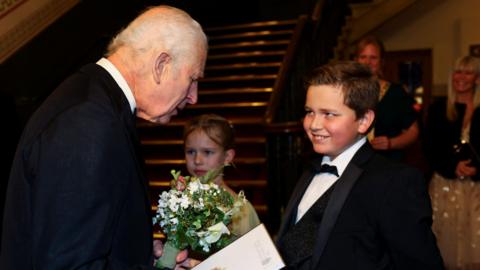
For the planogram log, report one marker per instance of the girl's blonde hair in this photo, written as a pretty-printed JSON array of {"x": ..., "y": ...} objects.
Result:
[
  {"x": 469, "y": 63},
  {"x": 217, "y": 128}
]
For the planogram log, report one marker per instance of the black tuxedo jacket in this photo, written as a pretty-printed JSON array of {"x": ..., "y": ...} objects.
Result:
[
  {"x": 77, "y": 196},
  {"x": 378, "y": 216}
]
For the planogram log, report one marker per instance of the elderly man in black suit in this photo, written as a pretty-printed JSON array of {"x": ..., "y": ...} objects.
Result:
[{"x": 77, "y": 196}]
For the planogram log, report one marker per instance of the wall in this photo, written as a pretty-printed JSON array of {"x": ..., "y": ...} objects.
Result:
[
  {"x": 21, "y": 20},
  {"x": 448, "y": 27}
]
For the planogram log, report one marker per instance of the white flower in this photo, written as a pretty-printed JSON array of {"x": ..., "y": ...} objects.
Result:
[
  {"x": 193, "y": 186},
  {"x": 205, "y": 186},
  {"x": 199, "y": 204},
  {"x": 184, "y": 202},
  {"x": 172, "y": 204},
  {"x": 205, "y": 246},
  {"x": 215, "y": 232}
]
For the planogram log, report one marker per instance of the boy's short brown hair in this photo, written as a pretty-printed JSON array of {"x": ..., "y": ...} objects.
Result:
[{"x": 360, "y": 88}]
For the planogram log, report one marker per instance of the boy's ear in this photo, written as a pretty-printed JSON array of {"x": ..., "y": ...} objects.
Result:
[
  {"x": 229, "y": 155},
  {"x": 160, "y": 64},
  {"x": 366, "y": 121}
]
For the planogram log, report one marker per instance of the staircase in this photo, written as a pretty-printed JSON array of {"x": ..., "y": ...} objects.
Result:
[
  {"x": 365, "y": 18},
  {"x": 243, "y": 64}
]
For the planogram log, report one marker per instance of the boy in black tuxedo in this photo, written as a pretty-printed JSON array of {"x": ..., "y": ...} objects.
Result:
[{"x": 354, "y": 209}]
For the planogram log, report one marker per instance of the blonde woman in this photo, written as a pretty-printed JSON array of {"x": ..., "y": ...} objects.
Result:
[{"x": 454, "y": 188}]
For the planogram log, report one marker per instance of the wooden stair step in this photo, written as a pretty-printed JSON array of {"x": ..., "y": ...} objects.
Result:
[
  {"x": 239, "y": 78},
  {"x": 223, "y": 84},
  {"x": 269, "y": 24},
  {"x": 227, "y": 109},
  {"x": 155, "y": 162},
  {"x": 251, "y": 54},
  {"x": 157, "y": 142},
  {"x": 228, "y": 112},
  {"x": 234, "y": 91},
  {"x": 248, "y": 44},
  {"x": 239, "y": 120},
  {"x": 238, "y": 96},
  {"x": 250, "y": 35},
  {"x": 227, "y": 105},
  {"x": 243, "y": 66}
]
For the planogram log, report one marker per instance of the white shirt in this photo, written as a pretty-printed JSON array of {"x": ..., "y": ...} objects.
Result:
[
  {"x": 321, "y": 182},
  {"x": 122, "y": 83}
]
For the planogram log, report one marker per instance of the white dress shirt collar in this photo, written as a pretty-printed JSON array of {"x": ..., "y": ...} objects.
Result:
[
  {"x": 122, "y": 83},
  {"x": 342, "y": 160},
  {"x": 321, "y": 182}
]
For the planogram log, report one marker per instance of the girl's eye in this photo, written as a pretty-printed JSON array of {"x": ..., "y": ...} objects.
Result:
[
  {"x": 308, "y": 112},
  {"x": 190, "y": 152},
  {"x": 208, "y": 152}
]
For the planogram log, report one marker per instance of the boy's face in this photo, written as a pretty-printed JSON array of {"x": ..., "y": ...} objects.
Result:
[{"x": 331, "y": 125}]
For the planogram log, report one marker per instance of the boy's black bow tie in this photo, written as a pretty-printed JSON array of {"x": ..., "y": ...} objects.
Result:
[{"x": 325, "y": 168}]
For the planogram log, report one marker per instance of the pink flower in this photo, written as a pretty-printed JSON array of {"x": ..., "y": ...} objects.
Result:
[{"x": 181, "y": 184}]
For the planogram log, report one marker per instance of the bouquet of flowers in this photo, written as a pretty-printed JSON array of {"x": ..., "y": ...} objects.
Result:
[{"x": 194, "y": 214}]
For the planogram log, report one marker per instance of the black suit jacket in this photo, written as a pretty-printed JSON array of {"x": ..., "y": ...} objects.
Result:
[
  {"x": 378, "y": 217},
  {"x": 77, "y": 197}
]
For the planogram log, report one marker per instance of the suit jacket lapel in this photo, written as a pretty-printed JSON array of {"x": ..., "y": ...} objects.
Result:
[{"x": 338, "y": 197}]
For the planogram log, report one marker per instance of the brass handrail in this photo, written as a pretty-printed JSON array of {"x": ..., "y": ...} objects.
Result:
[{"x": 285, "y": 68}]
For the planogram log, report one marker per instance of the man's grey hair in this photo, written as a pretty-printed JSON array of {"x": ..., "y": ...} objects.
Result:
[{"x": 161, "y": 28}]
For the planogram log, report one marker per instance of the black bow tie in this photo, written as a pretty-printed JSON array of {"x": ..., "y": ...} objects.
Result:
[{"x": 325, "y": 168}]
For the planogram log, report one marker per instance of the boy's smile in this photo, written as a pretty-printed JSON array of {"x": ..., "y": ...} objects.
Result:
[{"x": 331, "y": 125}]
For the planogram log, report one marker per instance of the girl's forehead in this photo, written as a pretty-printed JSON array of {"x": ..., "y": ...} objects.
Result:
[{"x": 211, "y": 135}]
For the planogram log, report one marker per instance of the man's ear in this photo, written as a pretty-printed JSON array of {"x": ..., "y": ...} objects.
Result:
[
  {"x": 229, "y": 155},
  {"x": 159, "y": 66},
  {"x": 366, "y": 121}
]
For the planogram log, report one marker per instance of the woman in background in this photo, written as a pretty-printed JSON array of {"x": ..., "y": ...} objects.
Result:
[
  {"x": 454, "y": 188},
  {"x": 396, "y": 125}
]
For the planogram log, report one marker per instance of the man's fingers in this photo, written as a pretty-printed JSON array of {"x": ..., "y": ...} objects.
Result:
[
  {"x": 157, "y": 248},
  {"x": 182, "y": 255}
]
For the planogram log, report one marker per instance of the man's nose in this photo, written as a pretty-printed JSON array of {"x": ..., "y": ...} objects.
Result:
[{"x": 192, "y": 97}]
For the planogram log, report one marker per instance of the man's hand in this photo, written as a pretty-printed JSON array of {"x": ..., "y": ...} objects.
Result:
[{"x": 183, "y": 262}]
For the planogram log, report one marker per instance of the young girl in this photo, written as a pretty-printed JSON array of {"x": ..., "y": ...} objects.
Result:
[{"x": 209, "y": 144}]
